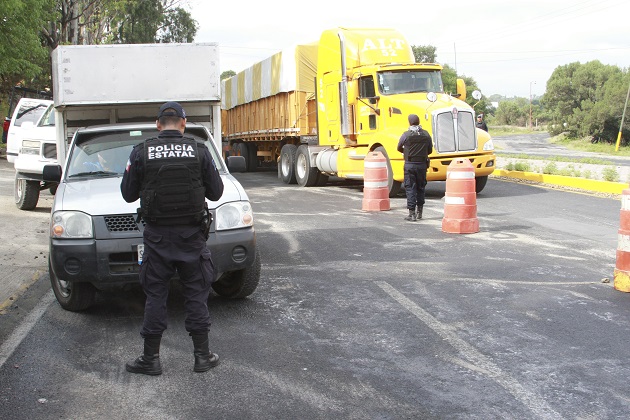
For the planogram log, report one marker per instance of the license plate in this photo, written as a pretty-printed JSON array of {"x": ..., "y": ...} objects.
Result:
[{"x": 140, "y": 253}]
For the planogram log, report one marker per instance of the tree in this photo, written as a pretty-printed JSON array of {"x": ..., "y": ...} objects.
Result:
[
  {"x": 150, "y": 21},
  {"x": 586, "y": 100},
  {"x": 22, "y": 56},
  {"x": 424, "y": 53},
  {"x": 227, "y": 74}
]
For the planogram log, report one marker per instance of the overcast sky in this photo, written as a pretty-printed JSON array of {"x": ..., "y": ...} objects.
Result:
[{"x": 507, "y": 46}]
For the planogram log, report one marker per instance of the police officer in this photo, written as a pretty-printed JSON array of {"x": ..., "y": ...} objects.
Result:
[
  {"x": 481, "y": 123},
  {"x": 172, "y": 175},
  {"x": 416, "y": 145}
]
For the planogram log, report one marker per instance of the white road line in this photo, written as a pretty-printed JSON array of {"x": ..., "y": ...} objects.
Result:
[
  {"x": 22, "y": 330},
  {"x": 483, "y": 364}
]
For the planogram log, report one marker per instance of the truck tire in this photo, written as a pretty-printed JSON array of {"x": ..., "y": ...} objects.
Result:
[
  {"x": 392, "y": 185},
  {"x": 26, "y": 193},
  {"x": 480, "y": 183},
  {"x": 305, "y": 174},
  {"x": 71, "y": 296},
  {"x": 241, "y": 283},
  {"x": 287, "y": 163}
]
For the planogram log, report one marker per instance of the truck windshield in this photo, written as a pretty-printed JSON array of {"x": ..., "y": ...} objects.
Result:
[
  {"x": 98, "y": 154},
  {"x": 409, "y": 81}
]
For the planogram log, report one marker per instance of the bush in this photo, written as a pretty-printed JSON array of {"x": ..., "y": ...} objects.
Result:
[
  {"x": 610, "y": 174},
  {"x": 550, "y": 169}
]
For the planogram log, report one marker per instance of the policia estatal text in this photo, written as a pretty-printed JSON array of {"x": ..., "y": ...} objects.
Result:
[
  {"x": 416, "y": 145},
  {"x": 172, "y": 175}
]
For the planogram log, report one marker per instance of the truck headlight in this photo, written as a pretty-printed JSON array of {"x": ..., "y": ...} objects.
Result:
[
  {"x": 71, "y": 224},
  {"x": 489, "y": 145},
  {"x": 234, "y": 216}
]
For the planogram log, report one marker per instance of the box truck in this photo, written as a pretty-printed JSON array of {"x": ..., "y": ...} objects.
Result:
[
  {"x": 318, "y": 109},
  {"x": 106, "y": 99}
]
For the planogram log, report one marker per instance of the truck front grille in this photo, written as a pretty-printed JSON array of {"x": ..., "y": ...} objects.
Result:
[
  {"x": 122, "y": 223},
  {"x": 454, "y": 131}
]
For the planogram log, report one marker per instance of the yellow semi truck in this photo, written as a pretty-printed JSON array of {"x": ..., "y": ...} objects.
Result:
[{"x": 317, "y": 110}]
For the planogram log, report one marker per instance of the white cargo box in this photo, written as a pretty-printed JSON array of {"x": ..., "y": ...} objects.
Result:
[{"x": 135, "y": 73}]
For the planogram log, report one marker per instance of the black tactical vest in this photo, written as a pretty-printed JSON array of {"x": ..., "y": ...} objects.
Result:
[
  {"x": 417, "y": 146},
  {"x": 172, "y": 190}
]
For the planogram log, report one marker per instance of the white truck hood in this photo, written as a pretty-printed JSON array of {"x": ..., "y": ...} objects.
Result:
[{"x": 102, "y": 196}]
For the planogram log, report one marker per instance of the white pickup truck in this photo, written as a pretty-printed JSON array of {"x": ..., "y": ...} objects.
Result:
[{"x": 31, "y": 144}]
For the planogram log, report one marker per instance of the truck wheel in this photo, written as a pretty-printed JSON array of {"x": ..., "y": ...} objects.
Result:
[
  {"x": 287, "y": 163},
  {"x": 392, "y": 185},
  {"x": 71, "y": 296},
  {"x": 305, "y": 174},
  {"x": 26, "y": 193},
  {"x": 480, "y": 183},
  {"x": 241, "y": 283}
]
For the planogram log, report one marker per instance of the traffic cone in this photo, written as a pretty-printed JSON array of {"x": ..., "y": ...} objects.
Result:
[
  {"x": 621, "y": 280},
  {"x": 375, "y": 188},
  {"x": 460, "y": 200}
]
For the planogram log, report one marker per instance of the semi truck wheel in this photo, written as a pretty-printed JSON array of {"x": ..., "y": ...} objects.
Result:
[
  {"x": 480, "y": 183},
  {"x": 305, "y": 174},
  {"x": 242, "y": 150},
  {"x": 71, "y": 296},
  {"x": 26, "y": 193},
  {"x": 287, "y": 163},
  {"x": 239, "y": 284},
  {"x": 393, "y": 186}
]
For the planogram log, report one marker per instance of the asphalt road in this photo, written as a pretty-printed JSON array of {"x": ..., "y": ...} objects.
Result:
[
  {"x": 361, "y": 316},
  {"x": 538, "y": 144}
]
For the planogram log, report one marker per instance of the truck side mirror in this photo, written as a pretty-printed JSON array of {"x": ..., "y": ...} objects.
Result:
[
  {"x": 52, "y": 173},
  {"x": 236, "y": 164}
]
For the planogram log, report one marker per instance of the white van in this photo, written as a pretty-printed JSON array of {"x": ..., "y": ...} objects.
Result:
[{"x": 28, "y": 114}]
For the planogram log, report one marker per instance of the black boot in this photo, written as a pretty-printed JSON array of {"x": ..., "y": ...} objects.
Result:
[
  {"x": 204, "y": 359},
  {"x": 149, "y": 362},
  {"x": 412, "y": 215},
  {"x": 419, "y": 215}
]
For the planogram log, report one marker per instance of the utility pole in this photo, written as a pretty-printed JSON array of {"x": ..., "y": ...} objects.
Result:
[
  {"x": 530, "y": 104},
  {"x": 622, "y": 118}
]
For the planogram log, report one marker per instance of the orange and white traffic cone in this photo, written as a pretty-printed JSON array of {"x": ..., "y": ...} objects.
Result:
[
  {"x": 375, "y": 188},
  {"x": 460, "y": 200},
  {"x": 621, "y": 280}
]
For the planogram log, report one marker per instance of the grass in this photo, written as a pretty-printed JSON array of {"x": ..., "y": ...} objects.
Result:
[{"x": 507, "y": 130}]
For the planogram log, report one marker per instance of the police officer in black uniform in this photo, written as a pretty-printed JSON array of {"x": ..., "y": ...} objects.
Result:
[
  {"x": 416, "y": 145},
  {"x": 481, "y": 123},
  {"x": 172, "y": 175}
]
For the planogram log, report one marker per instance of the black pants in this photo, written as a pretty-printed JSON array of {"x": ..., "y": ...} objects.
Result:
[
  {"x": 415, "y": 181},
  {"x": 168, "y": 249}
]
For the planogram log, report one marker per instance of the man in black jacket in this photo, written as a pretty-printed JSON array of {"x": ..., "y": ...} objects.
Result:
[
  {"x": 416, "y": 145},
  {"x": 481, "y": 123},
  {"x": 173, "y": 175}
]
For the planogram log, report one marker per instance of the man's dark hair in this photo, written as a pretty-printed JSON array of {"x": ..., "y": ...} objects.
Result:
[{"x": 169, "y": 119}]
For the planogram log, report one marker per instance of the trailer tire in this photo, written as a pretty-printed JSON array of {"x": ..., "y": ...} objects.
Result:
[
  {"x": 305, "y": 174},
  {"x": 241, "y": 283},
  {"x": 480, "y": 183},
  {"x": 392, "y": 185},
  {"x": 26, "y": 193},
  {"x": 287, "y": 163},
  {"x": 72, "y": 296}
]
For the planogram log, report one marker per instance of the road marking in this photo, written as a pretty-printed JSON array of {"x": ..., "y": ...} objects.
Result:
[
  {"x": 482, "y": 363},
  {"x": 22, "y": 330}
]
